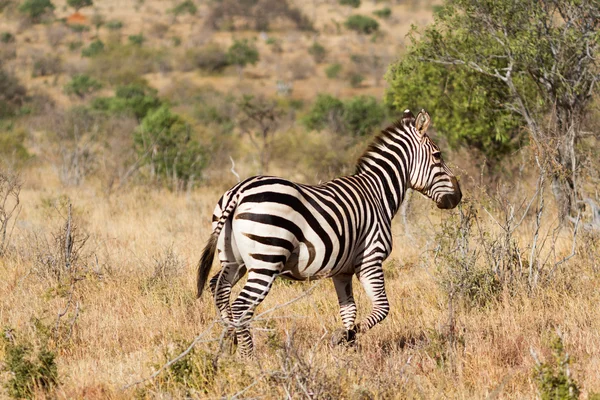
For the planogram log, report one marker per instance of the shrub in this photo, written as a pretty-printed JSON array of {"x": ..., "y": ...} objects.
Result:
[
  {"x": 135, "y": 99},
  {"x": 28, "y": 373},
  {"x": 361, "y": 24},
  {"x": 242, "y": 53},
  {"x": 35, "y": 9},
  {"x": 362, "y": 114},
  {"x": 7, "y": 37},
  {"x": 114, "y": 25},
  {"x": 186, "y": 6},
  {"x": 333, "y": 70},
  {"x": 75, "y": 45},
  {"x": 351, "y": 3},
  {"x": 95, "y": 48},
  {"x": 137, "y": 40},
  {"x": 82, "y": 85},
  {"x": 301, "y": 67},
  {"x": 210, "y": 58},
  {"x": 553, "y": 377},
  {"x": 383, "y": 13},
  {"x": 327, "y": 111},
  {"x": 79, "y": 28},
  {"x": 356, "y": 80},
  {"x": 45, "y": 65},
  {"x": 79, "y": 4},
  {"x": 175, "y": 155},
  {"x": 12, "y": 94},
  {"x": 318, "y": 52}
]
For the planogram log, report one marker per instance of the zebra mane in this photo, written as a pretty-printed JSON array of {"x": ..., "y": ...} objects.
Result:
[{"x": 379, "y": 140}]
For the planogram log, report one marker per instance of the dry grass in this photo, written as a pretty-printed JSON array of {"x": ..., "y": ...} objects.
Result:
[{"x": 138, "y": 308}]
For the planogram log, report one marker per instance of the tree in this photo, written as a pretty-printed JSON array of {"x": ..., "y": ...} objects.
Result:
[
  {"x": 35, "y": 9},
  {"x": 518, "y": 62},
  {"x": 242, "y": 53},
  {"x": 79, "y": 4},
  {"x": 362, "y": 24},
  {"x": 259, "y": 119}
]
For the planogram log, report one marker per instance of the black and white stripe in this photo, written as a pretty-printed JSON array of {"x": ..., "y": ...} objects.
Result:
[{"x": 271, "y": 227}]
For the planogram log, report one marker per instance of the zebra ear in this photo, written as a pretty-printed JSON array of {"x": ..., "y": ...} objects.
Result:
[{"x": 422, "y": 122}]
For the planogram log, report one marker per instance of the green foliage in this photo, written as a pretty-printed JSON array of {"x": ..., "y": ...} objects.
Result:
[
  {"x": 351, "y": 3},
  {"x": 383, "y": 13},
  {"x": 75, "y": 45},
  {"x": 79, "y": 28},
  {"x": 79, "y": 4},
  {"x": 136, "y": 40},
  {"x": 553, "y": 377},
  {"x": 164, "y": 141},
  {"x": 135, "y": 99},
  {"x": 186, "y": 6},
  {"x": 356, "y": 79},
  {"x": 357, "y": 116},
  {"x": 12, "y": 146},
  {"x": 35, "y": 9},
  {"x": 333, "y": 71},
  {"x": 82, "y": 85},
  {"x": 242, "y": 53},
  {"x": 318, "y": 52},
  {"x": 29, "y": 372},
  {"x": 7, "y": 37},
  {"x": 95, "y": 48},
  {"x": 362, "y": 24},
  {"x": 362, "y": 114},
  {"x": 114, "y": 25}
]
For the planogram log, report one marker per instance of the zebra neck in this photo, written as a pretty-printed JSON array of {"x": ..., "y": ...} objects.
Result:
[{"x": 385, "y": 181}]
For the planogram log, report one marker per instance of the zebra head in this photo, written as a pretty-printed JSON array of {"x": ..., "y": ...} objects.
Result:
[{"x": 429, "y": 173}]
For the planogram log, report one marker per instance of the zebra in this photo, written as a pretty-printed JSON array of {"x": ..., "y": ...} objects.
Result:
[{"x": 268, "y": 227}]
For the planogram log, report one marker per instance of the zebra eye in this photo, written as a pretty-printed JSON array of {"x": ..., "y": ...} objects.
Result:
[{"x": 437, "y": 155}]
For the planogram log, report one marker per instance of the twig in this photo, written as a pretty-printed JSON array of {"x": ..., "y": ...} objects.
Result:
[{"x": 233, "y": 169}]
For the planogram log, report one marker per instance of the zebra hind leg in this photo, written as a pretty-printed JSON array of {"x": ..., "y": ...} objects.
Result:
[
  {"x": 220, "y": 286},
  {"x": 343, "y": 288},
  {"x": 255, "y": 290}
]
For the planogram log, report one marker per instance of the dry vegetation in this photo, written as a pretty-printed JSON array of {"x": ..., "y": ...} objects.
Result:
[{"x": 98, "y": 250}]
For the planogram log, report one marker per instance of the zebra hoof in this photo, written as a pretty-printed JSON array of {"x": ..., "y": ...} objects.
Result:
[{"x": 343, "y": 337}]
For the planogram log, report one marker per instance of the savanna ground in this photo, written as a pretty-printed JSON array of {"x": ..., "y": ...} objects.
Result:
[{"x": 98, "y": 264}]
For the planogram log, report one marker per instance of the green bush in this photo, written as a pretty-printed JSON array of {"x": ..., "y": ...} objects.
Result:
[
  {"x": 553, "y": 377},
  {"x": 35, "y": 9},
  {"x": 351, "y": 3},
  {"x": 333, "y": 70},
  {"x": 362, "y": 24},
  {"x": 114, "y": 25},
  {"x": 362, "y": 114},
  {"x": 242, "y": 53},
  {"x": 82, "y": 85},
  {"x": 136, "y": 40},
  {"x": 95, "y": 48},
  {"x": 356, "y": 80},
  {"x": 79, "y": 28},
  {"x": 175, "y": 156},
  {"x": 134, "y": 99},
  {"x": 327, "y": 111},
  {"x": 357, "y": 116},
  {"x": 79, "y": 4},
  {"x": 28, "y": 373},
  {"x": 318, "y": 52},
  {"x": 186, "y": 6},
  {"x": 383, "y": 13},
  {"x": 7, "y": 37}
]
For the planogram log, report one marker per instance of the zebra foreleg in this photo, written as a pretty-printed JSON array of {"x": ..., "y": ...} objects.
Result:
[
  {"x": 256, "y": 288},
  {"x": 343, "y": 288},
  {"x": 372, "y": 280}
]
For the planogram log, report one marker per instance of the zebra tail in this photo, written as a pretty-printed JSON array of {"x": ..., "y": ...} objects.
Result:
[{"x": 208, "y": 254}]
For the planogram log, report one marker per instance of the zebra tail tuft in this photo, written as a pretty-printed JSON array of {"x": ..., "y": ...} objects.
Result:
[{"x": 208, "y": 254}]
